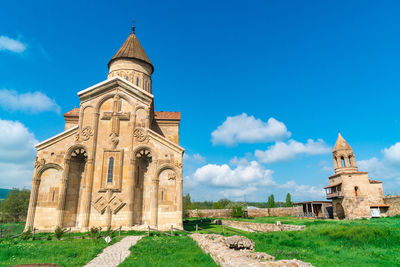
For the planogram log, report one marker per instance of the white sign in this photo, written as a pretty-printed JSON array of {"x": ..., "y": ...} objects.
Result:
[
  {"x": 375, "y": 212},
  {"x": 108, "y": 239},
  {"x": 278, "y": 222}
]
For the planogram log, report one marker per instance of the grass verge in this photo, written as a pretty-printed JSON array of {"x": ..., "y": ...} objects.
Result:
[{"x": 167, "y": 251}]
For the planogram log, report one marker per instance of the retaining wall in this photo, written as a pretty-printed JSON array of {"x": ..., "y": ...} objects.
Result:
[
  {"x": 226, "y": 213},
  {"x": 394, "y": 205}
]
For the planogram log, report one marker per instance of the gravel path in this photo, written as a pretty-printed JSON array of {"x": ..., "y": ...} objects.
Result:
[{"x": 115, "y": 254}]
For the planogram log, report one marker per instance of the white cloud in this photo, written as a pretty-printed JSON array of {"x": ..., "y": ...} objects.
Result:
[
  {"x": 247, "y": 129},
  {"x": 304, "y": 191},
  {"x": 392, "y": 153},
  {"x": 29, "y": 102},
  {"x": 12, "y": 45},
  {"x": 282, "y": 151},
  {"x": 199, "y": 157},
  {"x": 224, "y": 176},
  {"x": 17, "y": 154}
]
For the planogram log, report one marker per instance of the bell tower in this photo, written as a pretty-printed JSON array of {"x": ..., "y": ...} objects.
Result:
[
  {"x": 343, "y": 156},
  {"x": 132, "y": 63}
]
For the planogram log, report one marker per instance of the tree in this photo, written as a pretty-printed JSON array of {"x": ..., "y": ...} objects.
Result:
[
  {"x": 15, "y": 206},
  {"x": 186, "y": 205},
  {"x": 221, "y": 204},
  {"x": 271, "y": 201},
  {"x": 288, "y": 202}
]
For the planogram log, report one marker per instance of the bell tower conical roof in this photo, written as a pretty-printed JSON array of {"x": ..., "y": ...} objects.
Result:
[
  {"x": 341, "y": 144},
  {"x": 343, "y": 156},
  {"x": 131, "y": 49},
  {"x": 131, "y": 63}
]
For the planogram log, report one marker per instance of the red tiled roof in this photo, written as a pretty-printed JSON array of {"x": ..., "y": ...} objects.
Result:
[
  {"x": 167, "y": 115},
  {"x": 333, "y": 185},
  {"x": 374, "y": 181},
  {"x": 72, "y": 113}
]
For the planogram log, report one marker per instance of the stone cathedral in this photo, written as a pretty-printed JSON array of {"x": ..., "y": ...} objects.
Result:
[{"x": 118, "y": 162}]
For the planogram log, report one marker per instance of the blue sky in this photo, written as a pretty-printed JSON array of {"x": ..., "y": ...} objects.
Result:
[{"x": 273, "y": 80}]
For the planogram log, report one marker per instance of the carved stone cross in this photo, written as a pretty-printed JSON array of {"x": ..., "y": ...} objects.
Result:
[
  {"x": 109, "y": 204},
  {"x": 116, "y": 116}
]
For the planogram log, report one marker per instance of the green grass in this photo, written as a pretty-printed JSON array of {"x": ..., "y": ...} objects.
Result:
[
  {"x": 374, "y": 242},
  {"x": 167, "y": 251},
  {"x": 66, "y": 252},
  {"x": 14, "y": 228},
  {"x": 329, "y": 243},
  {"x": 69, "y": 252}
]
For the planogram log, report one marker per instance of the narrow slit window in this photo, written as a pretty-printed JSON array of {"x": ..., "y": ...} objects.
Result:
[
  {"x": 52, "y": 198},
  {"x": 137, "y": 81},
  {"x": 349, "y": 161},
  {"x": 162, "y": 195},
  {"x": 137, "y": 176},
  {"x": 110, "y": 170}
]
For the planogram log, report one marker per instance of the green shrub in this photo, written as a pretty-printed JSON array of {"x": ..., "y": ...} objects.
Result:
[
  {"x": 94, "y": 232},
  {"x": 59, "y": 232},
  {"x": 27, "y": 234},
  {"x": 237, "y": 212}
]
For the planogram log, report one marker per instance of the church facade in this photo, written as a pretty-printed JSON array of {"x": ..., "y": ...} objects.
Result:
[{"x": 118, "y": 162}]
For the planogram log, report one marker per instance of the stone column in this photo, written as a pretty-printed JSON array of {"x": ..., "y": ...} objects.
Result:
[
  {"x": 108, "y": 209},
  {"x": 88, "y": 194},
  {"x": 62, "y": 196},
  {"x": 32, "y": 202},
  {"x": 335, "y": 163},
  {"x": 131, "y": 190},
  {"x": 179, "y": 196},
  {"x": 154, "y": 202}
]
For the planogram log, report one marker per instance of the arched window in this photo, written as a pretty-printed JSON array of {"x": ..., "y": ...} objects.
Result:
[
  {"x": 127, "y": 77},
  {"x": 349, "y": 161},
  {"x": 343, "y": 162},
  {"x": 356, "y": 191},
  {"x": 137, "y": 81},
  {"x": 110, "y": 170}
]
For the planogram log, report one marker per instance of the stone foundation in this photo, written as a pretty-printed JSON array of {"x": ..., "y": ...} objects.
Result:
[
  {"x": 217, "y": 247},
  {"x": 262, "y": 227}
]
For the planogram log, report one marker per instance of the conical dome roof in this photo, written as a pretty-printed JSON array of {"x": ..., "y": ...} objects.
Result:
[
  {"x": 341, "y": 144},
  {"x": 131, "y": 49}
]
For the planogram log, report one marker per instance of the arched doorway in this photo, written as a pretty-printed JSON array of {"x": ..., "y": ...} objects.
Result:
[
  {"x": 339, "y": 211},
  {"x": 143, "y": 158},
  {"x": 74, "y": 190}
]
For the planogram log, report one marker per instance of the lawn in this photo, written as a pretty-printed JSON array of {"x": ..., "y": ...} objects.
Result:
[
  {"x": 167, "y": 251},
  {"x": 374, "y": 242},
  {"x": 67, "y": 252}
]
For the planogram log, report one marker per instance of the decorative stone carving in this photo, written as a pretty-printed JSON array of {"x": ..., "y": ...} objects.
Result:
[
  {"x": 39, "y": 162},
  {"x": 87, "y": 132},
  {"x": 140, "y": 135},
  {"x": 114, "y": 140},
  {"x": 171, "y": 176},
  {"x": 179, "y": 164},
  {"x": 77, "y": 140},
  {"x": 115, "y": 204}
]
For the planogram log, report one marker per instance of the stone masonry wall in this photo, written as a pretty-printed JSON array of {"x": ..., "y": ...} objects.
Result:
[
  {"x": 226, "y": 213},
  {"x": 394, "y": 205},
  {"x": 262, "y": 227}
]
